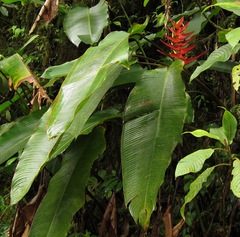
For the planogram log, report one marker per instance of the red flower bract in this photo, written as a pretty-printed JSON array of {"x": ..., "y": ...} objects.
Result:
[{"x": 180, "y": 43}]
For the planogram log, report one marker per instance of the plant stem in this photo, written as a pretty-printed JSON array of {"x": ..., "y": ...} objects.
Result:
[
  {"x": 208, "y": 19},
  {"x": 199, "y": 218},
  {"x": 145, "y": 56},
  {"x": 125, "y": 13},
  {"x": 210, "y": 94}
]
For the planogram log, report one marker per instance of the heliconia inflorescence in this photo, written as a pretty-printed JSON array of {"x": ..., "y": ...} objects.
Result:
[{"x": 180, "y": 42}]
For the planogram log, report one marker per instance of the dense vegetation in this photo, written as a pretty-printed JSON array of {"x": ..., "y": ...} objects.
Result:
[{"x": 119, "y": 118}]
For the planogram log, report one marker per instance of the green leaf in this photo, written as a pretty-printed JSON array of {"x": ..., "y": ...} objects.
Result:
[
  {"x": 236, "y": 77},
  {"x": 139, "y": 28},
  {"x": 21, "y": 50},
  {"x": 87, "y": 75},
  {"x": 4, "y": 11},
  {"x": 232, "y": 6},
  {"x": 195, "y": 187},
  {"x": 41, "y": 149},
  {"x": 58, "y": 71},
  {"x": 203, "y": 133},
  {"x": 223, "y": 66},
  {"x": 195, "y": 24},
  {"x": 8, "y": 103},
  {"x": 66, "y": 191},
  {"x": 154, "y": 117},
  {"x": 229, "y": 124},
  {"x": 12, "y": 1},
  {"x": 145, "y": 3},
  {"x": 235, "y": 183},
  {"x": 84, "y": 24},
  {"x": 15, "y": 138},
  {"x": 220, "y": 133},
  {"x": 98, "y": 118},
  {"x": 78, "y": 125},
  {"x": 32, "y": 160},
  {"x": 14, "y": 68},
  {"x": 193, "y": 162},
  {"x": 233, "y": 36},
  {"x": 129, "y": 76},
  {"x": 4, "y": 85},
  {"x": 221, "y": 54}
]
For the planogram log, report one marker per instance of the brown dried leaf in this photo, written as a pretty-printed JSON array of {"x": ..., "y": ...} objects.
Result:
[
  {"x": 167, "y": 219},
  {"x": 25, "y": 215},
  {"x": 108, "y": 227},
  {"x": 48, "y": 12},
  {"x": 51, "y": 9},
  {"x": 177, "y": 228}
]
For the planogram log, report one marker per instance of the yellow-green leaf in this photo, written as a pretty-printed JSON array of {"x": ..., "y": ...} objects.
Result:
[
  {"x": 236, "y": 77},
  {"x": 235, "y": 183}
]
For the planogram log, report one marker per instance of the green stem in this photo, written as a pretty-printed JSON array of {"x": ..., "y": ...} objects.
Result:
[
  {"x": 125, "y": 13},
  {"x": 208, "y": 19},
  {"x": 145, "y": 56}
]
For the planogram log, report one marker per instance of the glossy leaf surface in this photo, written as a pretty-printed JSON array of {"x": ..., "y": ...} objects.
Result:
[
  {"x": 230, "y": 5},
  {"x": 66, "y": 191},
  {"x": 34, "y": 156},
  {"x": 74, "y": 130},
  {"x": 219, "y": 132},
  {"x": 233, "y": 36},
  {"x": 14, "y": 68},
  {"x": 59, "y": 70},
  {"x": 221, "y": 54},
  {"x": 15, "y": 138},
  {"x": 87, "y": 75},
  {"x": 151, "y": 131},
  {"x": 86, "y": 24},
  {"x": 229, "y": 123},
  {"x": 193, "y": 162}
]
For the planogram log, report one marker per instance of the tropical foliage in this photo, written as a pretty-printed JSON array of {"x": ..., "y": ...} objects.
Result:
[{"x": 105, "y": 122}]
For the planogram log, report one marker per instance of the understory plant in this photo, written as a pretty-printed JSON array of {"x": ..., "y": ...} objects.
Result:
[{"x": 62, "y": 133}]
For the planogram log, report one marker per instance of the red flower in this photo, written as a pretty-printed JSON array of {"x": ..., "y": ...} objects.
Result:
[{"x": 180, "y": 43}]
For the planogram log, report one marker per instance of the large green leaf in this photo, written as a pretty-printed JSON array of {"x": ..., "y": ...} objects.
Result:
[
  {"x": 221, "y": 54},
  {"x": 154, "y": 118},
  {"x": 40, "y": 147},
  {"x": 77, "y": 127},
  {"x": 15, "y": 138},
  {"x": 235, "y": 183},
  {"x": 86, "y": 76},
  {"x": 66, "y": 191},
  {"x": 193, "y": 162},
  {"x": 195, "y": 187},
  {"x": 84, "y": 24},
  {"x": 34, "y": 156}
]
